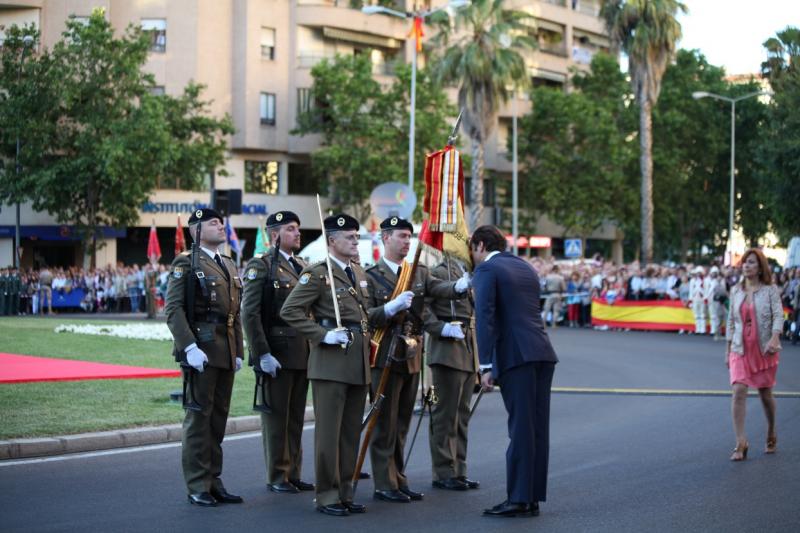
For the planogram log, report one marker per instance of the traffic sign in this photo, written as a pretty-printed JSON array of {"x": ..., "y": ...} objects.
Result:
[{"x": 573, "y": 248}]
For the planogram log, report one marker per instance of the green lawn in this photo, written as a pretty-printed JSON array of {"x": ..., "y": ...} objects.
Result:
[{"x": 60, "y": 408}]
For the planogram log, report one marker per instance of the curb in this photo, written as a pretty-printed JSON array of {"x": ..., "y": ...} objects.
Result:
[{"x": 120, "y": 438}]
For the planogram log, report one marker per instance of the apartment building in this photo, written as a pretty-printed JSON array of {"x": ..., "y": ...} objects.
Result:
[{"x": 255, "y": 58}]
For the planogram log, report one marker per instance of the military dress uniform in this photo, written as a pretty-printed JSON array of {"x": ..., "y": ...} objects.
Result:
[
  {"x": 389, "y": 437},
  {"x": 150, "y": 286},
  {"x": 217, "y": 331},
  {"x": 339, "y": 376},
  {"x": 454, "y": 366},
  {"x": 268, "y": 333}
]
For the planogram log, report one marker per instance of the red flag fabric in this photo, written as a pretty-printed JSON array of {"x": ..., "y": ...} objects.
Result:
[
  {"x": 376, "y": 239},
  {"x": 180, "y": 241},
  {"x": 153, "y": 247}
]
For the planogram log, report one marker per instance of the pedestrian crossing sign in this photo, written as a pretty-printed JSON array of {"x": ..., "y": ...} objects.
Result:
[{"x": 573, "y": 248}]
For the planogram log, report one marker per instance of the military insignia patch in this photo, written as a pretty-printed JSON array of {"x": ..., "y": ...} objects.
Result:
[
  {"x": 279, "y": 217},
  {"x": 252, "y": 273},
  {"x": 199, "y": 213},
  {"x": 304, "y": 278},
  {"x": 177, "y": 272},
  {"x": 393, "y": 222},
  {"x": 340, "y": 221}
]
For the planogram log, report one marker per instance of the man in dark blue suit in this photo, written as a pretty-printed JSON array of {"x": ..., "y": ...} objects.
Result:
[{"x": 515, "y": 352}]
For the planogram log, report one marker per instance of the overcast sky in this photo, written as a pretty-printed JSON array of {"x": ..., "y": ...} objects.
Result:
[{"x": 730, "y": 32}]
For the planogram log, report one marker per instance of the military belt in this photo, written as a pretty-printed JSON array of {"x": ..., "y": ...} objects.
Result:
[{"x": 356, "y": 327}]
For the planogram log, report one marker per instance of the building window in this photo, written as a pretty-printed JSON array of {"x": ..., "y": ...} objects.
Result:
[
  {"x": 267, "y": 108},
  {"x": 158, "y": 34},
  {"x": 268, "y": 43},
  {"x": 157, "y": 90},
  {"x": 302, "y": 180},
  {"x": 261, "y": 177}
]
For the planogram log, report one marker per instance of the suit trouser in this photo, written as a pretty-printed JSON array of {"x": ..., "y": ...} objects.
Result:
[
  {"x": 338, "y": 408},
  {"x": 699, "y": 311},
  {"x": 449, "y": 421},
  {"x": 389, "y": 436},
  {"x": 526, "y": 394},
  {"x": 203, "y": 431},
  {"x": 282, "y": 429}
]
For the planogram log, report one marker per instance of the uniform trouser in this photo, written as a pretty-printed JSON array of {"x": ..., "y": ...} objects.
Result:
[
  {"x": 282, "y": 429},
  {"x": 389, "y": 436},
  {"x": 449, "y": 421},
  {"x": 699, "y": 311},
  {"x": 204, "y": 430},
  {"x": 47, "y": 293},
  {"x": 552, "y": 304},
  {"x": 526, "y": 395},
  {"x": 716, "y": 312},
  {"x": 338, "y": 409},
  {"x": 150, "y": 299}
]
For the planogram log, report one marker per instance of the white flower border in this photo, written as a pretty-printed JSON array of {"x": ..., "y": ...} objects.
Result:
[{"x": 149, "y": 332}]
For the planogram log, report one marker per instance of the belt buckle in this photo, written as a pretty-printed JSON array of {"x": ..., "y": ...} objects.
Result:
[{"x": 230, "y": 320}]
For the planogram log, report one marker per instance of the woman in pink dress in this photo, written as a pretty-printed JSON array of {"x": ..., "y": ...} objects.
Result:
[{"x": 755, "y": 322}]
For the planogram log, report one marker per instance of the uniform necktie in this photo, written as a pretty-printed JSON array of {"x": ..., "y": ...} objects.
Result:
[
  {"x": 218, "y": 259},
  {"x": 349, "y": 272},
  {"x": 296, "y": 265}
]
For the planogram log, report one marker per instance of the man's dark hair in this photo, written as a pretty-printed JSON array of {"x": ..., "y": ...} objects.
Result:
[{"x": 492, "y": 238}]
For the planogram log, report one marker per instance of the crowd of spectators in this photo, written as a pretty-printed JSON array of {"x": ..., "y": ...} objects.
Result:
[{"x": 568, "y": 287}]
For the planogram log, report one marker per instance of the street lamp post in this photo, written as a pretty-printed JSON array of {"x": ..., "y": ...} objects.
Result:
[
  {"x": 703, "y": 94},
  {"x": 421, "y": 15},
  {"x": 26, "y": 42}
]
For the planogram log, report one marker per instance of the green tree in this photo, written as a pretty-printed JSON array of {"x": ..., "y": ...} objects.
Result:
[
  {"x": 779, "y": 152},
  {"x": 364, "y": 128},
  {"x": 647, "y": 31},
  {"x": 96, "y": 147},
  {"x": 482, "y": 55},
  {"x": 574, "y": 151}
]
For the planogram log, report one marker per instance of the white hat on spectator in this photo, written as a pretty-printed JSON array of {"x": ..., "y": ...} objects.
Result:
[
  {"x": 699, "y": 270},
  {"x": 714, "y": 270}
]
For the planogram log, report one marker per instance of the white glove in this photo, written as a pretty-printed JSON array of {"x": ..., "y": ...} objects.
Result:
[
  {"x": 238, "y": 364},
  {"x": 401, "y": 303},
  {"x": 452, "y": 331},
  {"x": 269, "y": 365},
  {"x": 196, "y": 357},
  {"x": 463, "y": 283},
  {"x": 336, "y": 337}
]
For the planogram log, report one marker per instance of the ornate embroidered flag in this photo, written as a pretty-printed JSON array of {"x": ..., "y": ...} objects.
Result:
[{"x": 180, "y": 240}]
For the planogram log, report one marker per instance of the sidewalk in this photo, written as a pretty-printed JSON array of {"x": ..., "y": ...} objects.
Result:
[{"x": 120, "y": 438}]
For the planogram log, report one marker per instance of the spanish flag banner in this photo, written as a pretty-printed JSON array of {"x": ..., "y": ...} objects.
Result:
[{"x": 661, "y": 315}]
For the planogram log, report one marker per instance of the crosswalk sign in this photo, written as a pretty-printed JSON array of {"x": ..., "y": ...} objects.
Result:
[{"x": 573, "y": 248}]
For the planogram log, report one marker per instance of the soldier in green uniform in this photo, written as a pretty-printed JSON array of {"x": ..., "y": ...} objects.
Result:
[
  {"x": 338, "y": 363},
  {"x": 454, "y": 366},
  {"x": 389, "y": 437},
  {"x": 209, "y": 339},
  {"x": 4, "y": 296},
  {"x": 278, "y": 350},
  {"x": 16, "y": 286},
  {"x": 150, "y": 288}
]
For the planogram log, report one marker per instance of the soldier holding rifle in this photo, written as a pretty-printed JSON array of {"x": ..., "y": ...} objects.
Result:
[
  {"x": 394, "y": 417},
  {"x": 335, "y": 293},
  {"x": 278, "y": 353},
  {"x": 203, "y": 296}
]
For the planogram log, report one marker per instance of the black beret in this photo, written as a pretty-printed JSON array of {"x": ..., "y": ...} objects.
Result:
[
  {"x": 282, "y": 217},
  {"x": 397, "y": 223},
  {"x": 341, "y": 222},
  {"x": 203, "y": 215}
]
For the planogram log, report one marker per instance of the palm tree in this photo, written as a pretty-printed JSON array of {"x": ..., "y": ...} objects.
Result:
[
  {"x": 482, "y": 45},
  {"x": 648, "y": 32}
]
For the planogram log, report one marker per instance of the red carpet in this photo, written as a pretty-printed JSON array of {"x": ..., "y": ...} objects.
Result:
[{"x": 26, "y": 368}]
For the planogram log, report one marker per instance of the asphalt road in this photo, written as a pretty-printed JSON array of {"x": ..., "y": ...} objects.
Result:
[{"x": 619, "y": 462}]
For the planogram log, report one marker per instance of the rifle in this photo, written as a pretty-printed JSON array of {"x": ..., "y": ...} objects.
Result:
[
  {"x": 262, "y": 379},
  {"x": 189, "y": 373}
]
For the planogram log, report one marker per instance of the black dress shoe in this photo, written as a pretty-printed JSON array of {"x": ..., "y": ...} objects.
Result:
[
  {"x": 450, "y": 484},
  {"x": 301, "y": 485},
  {"x": 223, "y": 496},
  {"x": 283, "y": 487},
  {"x": 415, "y": 496},
  {"x": 471, "y": 483},
  {"x": 203, "y": 499},
  {"x": 335, "y": 509},
  {"x": 509, "y": 509},
  {"x": 364, "y": 475},
  {"x": 394, "y": 496},
  {"x": 355, "y": 508}
]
